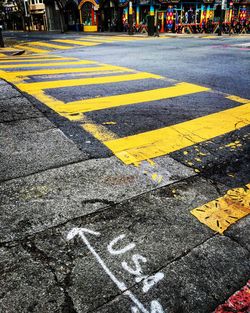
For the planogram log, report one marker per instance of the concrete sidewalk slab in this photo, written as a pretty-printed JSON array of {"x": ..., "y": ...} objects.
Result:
[
  {"x": 20, "y": 292},
  {"x": 196, "y": 282},
  {"x": 30, "y": 146},
  {"x": 52, "y": 197},
  {"x": 200, "y": 269},
  {"x": 7, "y": 91},
  {"x": 17, "y": 108}
]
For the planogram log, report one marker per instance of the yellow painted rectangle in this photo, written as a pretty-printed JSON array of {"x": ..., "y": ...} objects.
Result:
[
  {"x": 90, "y": 28},
  {"x": 87, "y": 105},
  {"x": 219, "y": 214},
  {"x": 47, "y": 64},
  {"x": 136, "y": 148},
  {"x": 84, "y": 81},
  {"x": 49, "y": 45},
  {"x": 76, "y": 42}
]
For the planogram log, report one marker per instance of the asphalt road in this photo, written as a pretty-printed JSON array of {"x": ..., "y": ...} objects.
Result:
[{"x": 125, "y": 177}]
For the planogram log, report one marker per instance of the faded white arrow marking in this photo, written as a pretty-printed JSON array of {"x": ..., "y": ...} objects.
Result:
[{"x": 81, "y": 232}]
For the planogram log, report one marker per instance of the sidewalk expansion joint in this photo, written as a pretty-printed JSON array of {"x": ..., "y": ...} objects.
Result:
[
  {"x": 236, "y": 241},
  {"x": 82, "y": 219},
  {"x": 42, "y": 171},
  {"x": 41, "y": 257}
]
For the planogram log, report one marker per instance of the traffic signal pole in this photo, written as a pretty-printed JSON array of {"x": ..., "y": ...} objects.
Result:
[{"x": 222, "y": 15}]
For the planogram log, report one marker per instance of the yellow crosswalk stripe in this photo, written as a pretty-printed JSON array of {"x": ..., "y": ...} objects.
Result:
[
  {"x": 151, "y": 144},
  {"x": 88, "y": 38},
  {"x": 85, "y": 81},
  {"x": 30, "y": 49},
  {"x": 49, "y": 45},
  {"x": 76, "y": 42},
  {"x": 16, "y": 60},
  {"x": 87, "y": 105},
  {"x": 110, "y": 68},
  {"x": 219, "y": 214},
  {"x": 48, "y": 64}
]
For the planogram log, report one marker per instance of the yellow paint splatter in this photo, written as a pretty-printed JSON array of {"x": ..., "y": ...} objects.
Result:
[
  {"x": 202, "y": 154},
  {"x": 109, "y": 123},
  {"x": 196, "y": 170},
  {"x": 190, "y": 163},
  {"x": 156, "y": 177},
  {"x": 151, "y": 162},
  {"x": 185, "y": 152},
  {"x": 219, "y": 214},
  {"x": 198, "y": 159}
]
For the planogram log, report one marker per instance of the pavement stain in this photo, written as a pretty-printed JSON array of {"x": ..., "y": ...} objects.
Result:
[{"x": 33, "y": 193}]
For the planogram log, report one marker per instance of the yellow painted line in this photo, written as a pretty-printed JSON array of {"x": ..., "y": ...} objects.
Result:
[
  {"x": 23, "y": 56},
  {"x": 29, "y": 59},
  {"x": 66, "y": 71},
  {"x": 95, "y": 104},
  {"x": 2, "y": 55},
  {"x": 151, "y": 144},
  {"x": 208, "y": 37},
  {"x": 219, "y": 214},
  {"x": 100, "y": 132},
  {"x": 48, "y": 64},
  {"x": 76, "y": 42},
  {"x": 85, "y": 81},
  {"x": 117, "y": 38},
  {"x": 237, "y": 99},
  {"x": 49, "y": 45},
  {"x": 95, "y": 40},
  {"x": 31, "y": 49}
]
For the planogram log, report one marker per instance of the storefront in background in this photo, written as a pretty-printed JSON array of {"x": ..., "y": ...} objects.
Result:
[
  {"x": 89, "y": 15},
  {"x": 193, "y": 14}
]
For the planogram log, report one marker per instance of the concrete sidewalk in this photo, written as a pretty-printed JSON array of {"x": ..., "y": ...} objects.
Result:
[{"x": 136, "y": 229}]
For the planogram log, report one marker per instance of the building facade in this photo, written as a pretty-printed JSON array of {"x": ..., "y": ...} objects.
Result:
[{"x": 175, "y": 15}]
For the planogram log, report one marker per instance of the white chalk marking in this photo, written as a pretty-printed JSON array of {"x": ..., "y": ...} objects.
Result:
[
  {"x": 112, "y": 251},
  {"x": 150, "y": 281},
  {"x": 154, "y": 308},
  {"x": 137, "y": 271},
  {"x": 155, "y": 305}
]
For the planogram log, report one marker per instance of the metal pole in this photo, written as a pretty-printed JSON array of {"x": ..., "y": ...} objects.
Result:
[
  {"x": 1, "y": 37},
  {"x": 223, "y": 9},
  {"x": 130, "y": 18}
]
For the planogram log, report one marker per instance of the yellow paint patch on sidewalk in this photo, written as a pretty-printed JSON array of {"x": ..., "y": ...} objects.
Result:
[
  {"x": 95, "y": 104},
  {"x": 219, "y": 214},
  {"x": 151, "y": 144},
  {"x": 49, "y": 45},
  {"x": 237, "y": 99},
  {"x": 77, "y": 42},
  {"x": 47, "y": 64},
  {"x": 84, "y": 81},
  {"x": 30, "y": 49}
]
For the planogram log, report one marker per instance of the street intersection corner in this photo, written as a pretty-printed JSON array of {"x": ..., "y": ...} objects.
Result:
[{"x": 123, "y": 189}]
